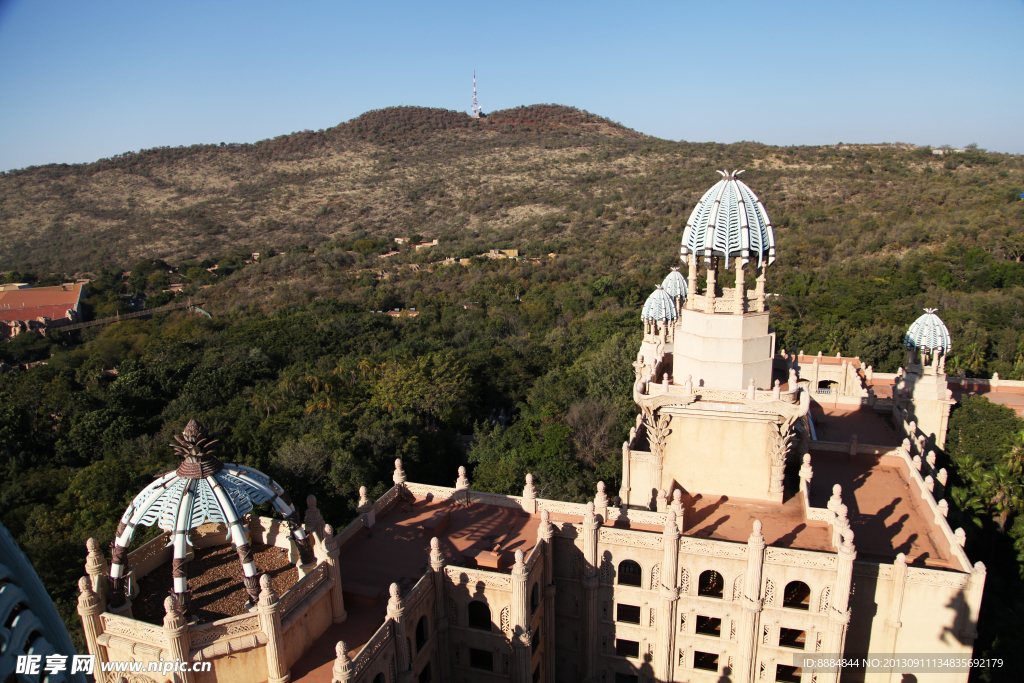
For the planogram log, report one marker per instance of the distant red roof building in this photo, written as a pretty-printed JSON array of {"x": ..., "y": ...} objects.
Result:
[{"x": 36, "y": 308}]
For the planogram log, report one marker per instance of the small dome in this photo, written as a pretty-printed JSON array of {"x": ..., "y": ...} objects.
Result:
[
  {"x": 675, "y": 284},
  {"x": 928, "y": 332},
  {"x": 659, "y": 306},
  {"x": 730, "y": 221}
]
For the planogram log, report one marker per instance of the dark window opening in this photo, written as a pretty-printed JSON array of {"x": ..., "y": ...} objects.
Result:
[
  {"x": 535, "y": 641},
  {"x": 709, "y": 626},
  {"x": 481, "y": 659},
  {"x": 791, "y": 637},
  {"x": 421, "y": 633},
  {"x": 710, "y": 584},
  {"x": 629, "y": 614},
  {"x": 630, "y": 573},
  {"x": 379, "y": 678},
  {"x": 787, "y": 674},
  {"x": 534, "y": 599},
  {"x": 626, "y": 678},
  {"x": 705, "y": 660},
  {"x": 536, "y": 674},
  {"x": 425, "y": 674},
  {"x": 797, "y": 595},
  {"x": 479, "y": 616},
  {"x": 627, "y": 648}
]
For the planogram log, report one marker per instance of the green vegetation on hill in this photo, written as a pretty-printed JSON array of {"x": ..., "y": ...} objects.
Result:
[{"x": 515, "y": 366}]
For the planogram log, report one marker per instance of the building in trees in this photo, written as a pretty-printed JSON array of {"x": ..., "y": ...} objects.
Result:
[
  {"x": 771, "y": 505},
  {"x": 24, "y": 309}
]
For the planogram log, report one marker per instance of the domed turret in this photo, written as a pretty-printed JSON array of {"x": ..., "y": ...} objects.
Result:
[
  {"x": 659, "y": 306},
  {"x": 928, "y": 333},
  {"x": 730, "y": 221},
  {"x": 202, "y": 489},
  {"x": 675, "y": 285}
]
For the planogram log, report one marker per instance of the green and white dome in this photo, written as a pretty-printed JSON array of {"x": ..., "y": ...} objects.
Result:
[
  {"x": 659, "y": 306},
  {"x": 730, "y": 221},
  {"x": 929, "y": 333},
  {"x": 674, "y": 285}
]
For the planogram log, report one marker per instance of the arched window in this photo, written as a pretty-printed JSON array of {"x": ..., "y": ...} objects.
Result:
[
  {"x": 479, "y": 615},
  {"x": 421, "y": 633},
  {"x": 534, "y": 599},
  {"x": 797, "y": 595},
  {"x": 630, "y": 573},
  {"x": 379, "y": 678},
  {"x": 710, "y": 584}
]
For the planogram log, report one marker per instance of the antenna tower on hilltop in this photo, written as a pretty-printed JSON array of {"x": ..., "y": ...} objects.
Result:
[{"x": 476, "y": 105}]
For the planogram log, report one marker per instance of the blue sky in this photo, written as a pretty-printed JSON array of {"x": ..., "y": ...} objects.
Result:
[{"x": 85, "y": 80}]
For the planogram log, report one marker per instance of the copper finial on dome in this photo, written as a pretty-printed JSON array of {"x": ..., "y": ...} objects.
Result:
[{"x": 196, "y": 447}]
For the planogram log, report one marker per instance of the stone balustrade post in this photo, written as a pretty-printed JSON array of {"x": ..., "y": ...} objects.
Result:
[
  {"x": 806, "y": 473},
  {"x": 342, "y": 670},
  {"x": 916, "y": 461},
  {"x": 777, "y": 390},
  {"x": 89, "y": 609},
  {"x": 601, "y": 502},
  {"x": 930, "y": 459},
  {"x": 662, "y": 500},
  {"x": 520, "y": 616},
  {"x": 96, "y": 568},
  {"x": 676, "y": 507},
  {"x": 365, "y": 508},
  {"x": 591, "y": 579},
  {"x": 269, "y": 609},
  {"x": 529, "y": 496},
  {"x": 750, "y": 619},
  {"x": 314, "y": 524},
  {"x": 853, "y": 444},
  {"x": 396, "y": 613},
  {"x": 624, "y": 489},
  {"x": 333, "y": 553},
  {"x": 943, "y": 508},
  {"x": 438, "y": 578},
  {"x": 178, "y": 641}
]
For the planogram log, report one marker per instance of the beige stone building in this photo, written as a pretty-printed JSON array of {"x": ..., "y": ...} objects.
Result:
[{"x": 771, "y": 506}]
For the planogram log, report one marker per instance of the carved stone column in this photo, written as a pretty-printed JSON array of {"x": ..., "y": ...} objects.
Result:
[
  {"x": 838, "y": 610},
  {"x": 444, "y": 648},
  {"x": 521, "y": 634},
  {"x": 342, "y": 670},
  {"x": 591, "y": 575},
  {"x": 664, "y": 655},
  {"x": 740, "y": 295},
  {"x": 746, "y": 666},
  {"x": 89, "y": 609},
  {"x": 709, "y": 296},
  {"x": 892, "y": 622},
  {"x": 178, "y": 641},
  {"x": 545, "y": 532},
  {"x": 759, "y": 293},
  {"x": 270, "y": 623},
  {"x": 96, "y": 568},
  {"x": 677, "y": 507},
  {"x": 691, "y": 279},
  {"x": 333, "y": 552},
  {"x": 396, "y": 612}
]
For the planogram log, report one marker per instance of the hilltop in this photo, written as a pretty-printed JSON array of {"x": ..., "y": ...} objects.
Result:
[{"x": 541, "y": 172}]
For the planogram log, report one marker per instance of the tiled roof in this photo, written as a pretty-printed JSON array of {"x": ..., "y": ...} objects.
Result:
[{"x": 36, "y": 302}]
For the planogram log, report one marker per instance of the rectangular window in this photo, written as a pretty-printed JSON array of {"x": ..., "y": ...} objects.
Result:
[
  {"x": 787, "y": 674},
  {"x": 791, "y": 637},
  {"x": 629, "y": 614},
  {"x": 627, "y": 648},
  {"x": 709, "y": 626},
  {"x": 481, "y": 659},
  {"x": 705, "y": 660}
]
